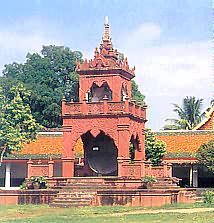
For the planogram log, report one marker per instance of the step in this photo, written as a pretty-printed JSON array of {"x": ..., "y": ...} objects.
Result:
[
  {"x": 77, "y": 192},
  {"x": 76, "y": 189},
  {"x": 165, "y": 187},
  {"x": 87, "y": 186},
  {"x": 64, "y": 205},
  {"x": 71, "y": 196},
  {"x": 59, "y": 200}
]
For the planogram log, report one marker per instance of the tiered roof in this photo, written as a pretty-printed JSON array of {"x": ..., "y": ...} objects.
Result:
[{"x": 106, "y": 58}]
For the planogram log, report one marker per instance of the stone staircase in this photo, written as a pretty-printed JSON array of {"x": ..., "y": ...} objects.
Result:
[
  {"x": 69, "y": 198},
  {"x": 166, "y": 183},
  {"x": 77, "y": 192}
]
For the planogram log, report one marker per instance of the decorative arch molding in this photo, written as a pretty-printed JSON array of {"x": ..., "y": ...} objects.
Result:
[
  {"x": 98, "y": 90},
  {"x": 94, "y": 132},
  {"x": 99, "y": 83}
]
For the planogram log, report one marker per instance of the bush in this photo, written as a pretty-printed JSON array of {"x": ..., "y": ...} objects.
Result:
[
  {"x": 208, "y": 197},
  {"x": 149, "y": 179},
  {"x": 147, "y": 182},
  {"x": 205, "y": 155},
  {"x": 35, "y": 182},
  {"x": 155, "y": 149}
]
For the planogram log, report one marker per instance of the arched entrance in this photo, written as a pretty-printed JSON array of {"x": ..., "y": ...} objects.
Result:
[{"x": 100, "y": 156}]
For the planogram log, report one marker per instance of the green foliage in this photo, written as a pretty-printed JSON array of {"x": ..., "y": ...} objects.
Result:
[
  {"x": 205, "y": 155},
  {"x": 136, "y": 94},
  {"x": 17, "y": 123},
  {"x": 23, "y": 186},
  {"x": 42, "y": 181},
  {"x": 212, "y": 102},
  {"x": 48, "y": 75},
  {"x": 189, "y": 114},
  {"x": 111, "y": 214},
  {"x": 149, "y": 179},
  {"x": 208, "y": 197},
  {"x": 155, "y": 149},
  {"x": 29, "y": 183}
]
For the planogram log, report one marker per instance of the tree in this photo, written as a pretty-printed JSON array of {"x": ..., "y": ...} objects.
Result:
[
  {"x": 17, "y": 125},
  {"x": 47, "y": 76},
  {"x": 205, "y": 155},
  {"x": 155, "y": 149},
  {"x": 136, "y": 94},
  {"x": 212, "y": 102},
  {"x": 189, "y": 114}
]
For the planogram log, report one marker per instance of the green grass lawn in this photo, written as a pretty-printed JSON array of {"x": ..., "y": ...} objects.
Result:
[{"x": 44, "y": 213}]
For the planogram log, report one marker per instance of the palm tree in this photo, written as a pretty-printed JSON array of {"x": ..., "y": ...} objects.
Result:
[
  {"x": 189, "y": 114},
  {"x": 212, "y": 102}
]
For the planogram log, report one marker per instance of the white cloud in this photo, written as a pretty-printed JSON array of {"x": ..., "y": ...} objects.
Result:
[
  {"x": 146, "y": 32},
  {"x": 165, "y": 72},
  {"x": 23, "y": 37},
  {"x": 168, "y": 72}
]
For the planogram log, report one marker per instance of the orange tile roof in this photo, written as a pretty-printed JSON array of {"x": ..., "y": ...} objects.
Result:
[
  {"x": 49, "y": 144},
  {"x": 176, "y": 142},
  {"x": 43, "y": 145},
  {"x": 184, "y": 142}
]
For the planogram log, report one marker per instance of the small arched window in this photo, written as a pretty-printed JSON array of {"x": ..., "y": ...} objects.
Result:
[
  {"x": 97, "y": 93},
  {"x": 124, "y": 92}
]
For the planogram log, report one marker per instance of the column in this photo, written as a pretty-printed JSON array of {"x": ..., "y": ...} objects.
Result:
[
  {"x": 165, "y": 169},
  {"x": 123, "y": 148},
  {"x": 195, "y": 176},
  {"x": 105, "y": 104},
  {"x": 50, "y": 168},
  {"x": 29, "y": 168},
  {"x": 68, "y": 153},
  {"x": 67, "y": 167},
  {"x": 190, "y": 175},
  {"x": 7, "y": 176}
]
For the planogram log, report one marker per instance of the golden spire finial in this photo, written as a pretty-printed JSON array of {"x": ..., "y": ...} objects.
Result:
[{"x": 106, "y": 34}]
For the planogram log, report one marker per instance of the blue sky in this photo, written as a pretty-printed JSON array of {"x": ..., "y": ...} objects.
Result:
[{"x": 169, "y": 41}]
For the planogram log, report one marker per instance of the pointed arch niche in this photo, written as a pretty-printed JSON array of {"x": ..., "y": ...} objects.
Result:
[
  {"x": 97, "y": 93},
  {"x": 133, "y": 147}
]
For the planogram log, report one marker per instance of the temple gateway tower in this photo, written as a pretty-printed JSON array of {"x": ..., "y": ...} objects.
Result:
[{"x": 109, "y": 123}]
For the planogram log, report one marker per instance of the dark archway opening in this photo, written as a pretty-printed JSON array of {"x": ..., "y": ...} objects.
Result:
[
  {"x": 124, "y": 92},
  {"x": 100, "y": 155},
  {"x": 97, "y": 93},
  {"x": 133, "y": 146}
]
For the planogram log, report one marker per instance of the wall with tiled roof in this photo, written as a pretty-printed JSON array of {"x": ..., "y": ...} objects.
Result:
[
  {"x": 49, "y": 143},
  {"x": 184, "y": 143},
  {"x": 44, "y": 144},
  {"x": 178, "y": 143}
]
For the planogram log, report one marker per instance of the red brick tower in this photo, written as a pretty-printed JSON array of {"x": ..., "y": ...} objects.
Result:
[{"x": 107, "y": 120}]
